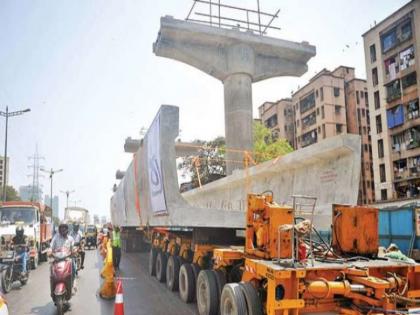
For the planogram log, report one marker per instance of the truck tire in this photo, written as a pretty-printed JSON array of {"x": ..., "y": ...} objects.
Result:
[
  {"x": 220, "y": 280},
  {"x": 253, "y": 302},
  {"x": 152, "y": 261},
  {"x": 207, "y": 293},
  {"x": 172, "y": 273},
  {"x": 186, "y": 283},
  {"x": 232, "y": 301},
  {"x": 161, "y": 261}
]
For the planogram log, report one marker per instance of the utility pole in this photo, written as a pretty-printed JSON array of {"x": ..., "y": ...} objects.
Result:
[
  {"x": 51, "y": 174},
  {"x": 67, "y": 192},
  {"x": 35, "y": 194},
  {"x": 8, "y": 114}
]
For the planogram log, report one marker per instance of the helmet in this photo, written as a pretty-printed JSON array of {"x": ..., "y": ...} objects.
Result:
[
  {"x": 76, "y": 227},
  {"x": 19, "y": 231},
  {"x": 63, "y": 229}
]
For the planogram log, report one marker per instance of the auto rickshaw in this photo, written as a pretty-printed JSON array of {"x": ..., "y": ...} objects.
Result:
[{"x": 91, "y": 236}]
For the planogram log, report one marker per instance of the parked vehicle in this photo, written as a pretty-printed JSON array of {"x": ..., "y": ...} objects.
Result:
[
  {"x": 11, "y": 269},
  {"x": 61, "y": 279},
  {"x": 35, "y": 218}
]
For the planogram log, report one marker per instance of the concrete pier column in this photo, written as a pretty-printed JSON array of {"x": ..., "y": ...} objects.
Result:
[
  {"x": 238, "y": 118},
  {"x": 236, "y": 58}
]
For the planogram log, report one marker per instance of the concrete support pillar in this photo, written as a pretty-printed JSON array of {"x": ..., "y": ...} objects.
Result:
[{"x": 238, "y": 118}]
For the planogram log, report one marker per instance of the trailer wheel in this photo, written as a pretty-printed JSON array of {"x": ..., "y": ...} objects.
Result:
[
  {"x": 196, "y": 270},
  {"x": 172, "y": 273},
  {"x": 252, "y": 299},
  {"x": 187, "y": 283},
  {"x": 161, "y": 261},
  {"x": 220, "y": 280},
  {"x": 232, "y": 301},
  {"x": 152, "y": 262},
  {"x": 207, "y": 293}
]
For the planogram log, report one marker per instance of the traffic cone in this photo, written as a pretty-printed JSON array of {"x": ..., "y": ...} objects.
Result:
[{"x": 119, "y": 301}]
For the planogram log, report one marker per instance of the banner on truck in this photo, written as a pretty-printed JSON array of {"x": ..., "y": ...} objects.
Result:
[{"x": 157, "y": 192}]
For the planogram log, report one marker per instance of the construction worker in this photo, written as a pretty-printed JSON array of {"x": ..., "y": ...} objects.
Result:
[{"x": 116, "y": 247}]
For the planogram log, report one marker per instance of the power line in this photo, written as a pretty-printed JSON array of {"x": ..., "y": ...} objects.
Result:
[{"x": 35, "y": 193}]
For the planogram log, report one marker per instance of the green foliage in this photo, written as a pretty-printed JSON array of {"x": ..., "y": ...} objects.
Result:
[
  {"x": 209, "y": 162},
  {"x": 11, "y": 194},
  {"x": 267, "y": 147}
]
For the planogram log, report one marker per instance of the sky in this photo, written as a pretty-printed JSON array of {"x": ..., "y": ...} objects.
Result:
[{"x": 87, "y": 71}]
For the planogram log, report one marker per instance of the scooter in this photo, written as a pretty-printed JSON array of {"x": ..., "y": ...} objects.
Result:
[{"x": 61, "y": 279}]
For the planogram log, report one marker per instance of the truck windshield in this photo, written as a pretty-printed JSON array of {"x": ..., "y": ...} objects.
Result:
[{"x": 12, "y": 215}]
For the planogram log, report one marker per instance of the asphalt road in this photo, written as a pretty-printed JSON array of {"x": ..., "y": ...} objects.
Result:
[{"x": 142, "y": 294}]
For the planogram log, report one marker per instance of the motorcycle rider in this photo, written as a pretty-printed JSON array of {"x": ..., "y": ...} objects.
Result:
[
  {"x": 20, "y": 241},
  {"x": 62, "y": 239},
  {"x": 78, "y": 239}
]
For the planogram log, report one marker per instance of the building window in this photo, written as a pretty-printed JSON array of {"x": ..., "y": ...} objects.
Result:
[
  {"x": 367, "y": 116},
  {"x": 376, "y": 100},
  {"x": 409, "y": 80},
  {"x": 307, "y": 102},
  {"x": 406, "y": 31},
  {"x": 358, "y": 115},
  {"x": 363, "y": 112},
  {"x": 357, "y": 98},
  {"x": 317, "y": 111},
  {"x": 413, "y": 109},
  {"x": 321, "y": 91},
  {"x": 378, "y": 124},
  {"x": 380, "y": 148},
  {"x": 384, "y": 194},
  {"x": 366, "y": 147},
  {"x": 407, "y": 58},
  {"x": 339, "y": 128},
  {"x": 395, "y": 116},
  {"x": 323, "y": 131},
  {"x": 309, "y": 120},
  {"x": 272, "y": 121},
  {"x": 375, "y": 76},
  {"x": 372, "y": 49},
  {"x": 316, "y": 93},
  {"x": 322, "y": 112},
  {"x": 382, "y": 174},
  {"x": 336, "y": 92},
  {"x": 364, "y": 130},
  {"x": 393, "y": 91},
  {"x": 389, "y": 40},
  {"x": 309, "y": 138},
  {"x": 391, "y": 68},
  {"x": 337, "y": 109},
  {"x": 366, "y": 99}
]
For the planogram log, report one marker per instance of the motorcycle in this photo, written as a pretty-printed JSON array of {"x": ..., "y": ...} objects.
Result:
[
  {"x": 77, "y": 249},
  {"x": 61, "y": 279},
  {"x": 12, "y": 267}
]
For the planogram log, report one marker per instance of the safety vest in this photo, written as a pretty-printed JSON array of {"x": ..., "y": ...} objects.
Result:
[{"x": 116, "y": 241}]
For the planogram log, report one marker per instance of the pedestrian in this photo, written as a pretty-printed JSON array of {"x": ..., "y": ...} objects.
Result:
[{"x": 116, "y": 247}]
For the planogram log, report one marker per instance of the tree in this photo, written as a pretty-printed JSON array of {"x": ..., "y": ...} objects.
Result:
[
  {"x": 266, "y": 146},
  {"x": 11, "y": 193},
  {"x": 209, "y": 164}
]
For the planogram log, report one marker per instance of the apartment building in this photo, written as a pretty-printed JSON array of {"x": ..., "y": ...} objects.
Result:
[
  {"x": 392, "y": 66},
  {"x": 332, "y": 103},
  {"x": 320, "y": 109},
  {"x": 279, "y": 117},
  {"x": 358, "y": 122}
]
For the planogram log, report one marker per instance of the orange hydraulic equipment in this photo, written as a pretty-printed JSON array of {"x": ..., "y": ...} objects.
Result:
[{"x": 342, "y": 280}]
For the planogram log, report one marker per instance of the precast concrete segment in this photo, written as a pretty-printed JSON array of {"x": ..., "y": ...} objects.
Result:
[
  {"x": 237, "y": 59},
  {"x": 328, "y": 170},
  {"x": 178, "y": 212}
]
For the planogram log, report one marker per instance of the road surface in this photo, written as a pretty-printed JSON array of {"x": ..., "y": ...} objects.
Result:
[{"x": 142, "y": 294}]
